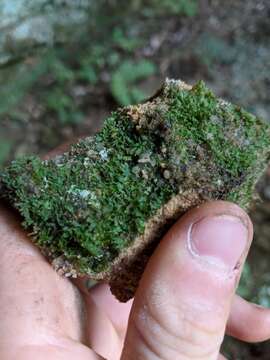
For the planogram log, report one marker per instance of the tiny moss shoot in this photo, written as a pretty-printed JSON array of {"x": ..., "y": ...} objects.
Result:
[{"x": 91, "y": 203}]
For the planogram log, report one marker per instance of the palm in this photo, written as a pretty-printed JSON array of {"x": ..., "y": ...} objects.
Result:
[{"x": 53, "y": 319}]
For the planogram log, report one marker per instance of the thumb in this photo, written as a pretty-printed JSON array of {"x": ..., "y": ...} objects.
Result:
[{"x": 182, "y": 304}]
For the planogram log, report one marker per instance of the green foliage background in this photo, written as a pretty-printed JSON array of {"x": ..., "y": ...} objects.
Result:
[{"x": 114, "y": 33}]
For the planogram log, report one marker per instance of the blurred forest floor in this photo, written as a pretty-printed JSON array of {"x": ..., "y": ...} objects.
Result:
[{"x": 54, "y": 95}]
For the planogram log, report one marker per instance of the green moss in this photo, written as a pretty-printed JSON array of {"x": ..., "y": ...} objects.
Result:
[
  {"x": 224, "y": 140},
  {"x": 93, "y": 201}
]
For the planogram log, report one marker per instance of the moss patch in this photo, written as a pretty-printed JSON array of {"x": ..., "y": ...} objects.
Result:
[{"x": 92, "y": 202}]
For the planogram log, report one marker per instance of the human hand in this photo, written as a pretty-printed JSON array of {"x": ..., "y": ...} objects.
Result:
[{"x": 183, "y": 305}]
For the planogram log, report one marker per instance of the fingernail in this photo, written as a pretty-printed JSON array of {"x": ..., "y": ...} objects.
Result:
[{"x": 220, "y": 239}]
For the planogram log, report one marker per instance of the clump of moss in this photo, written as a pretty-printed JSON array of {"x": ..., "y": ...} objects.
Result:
[{"x": 101, "y": 208}]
